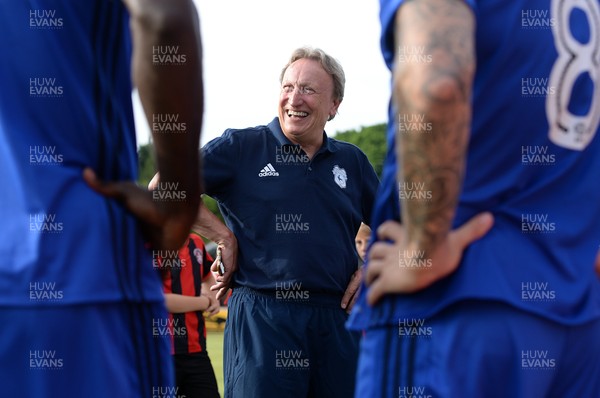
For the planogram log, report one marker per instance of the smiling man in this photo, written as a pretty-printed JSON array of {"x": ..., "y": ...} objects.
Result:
[
  {"x": 293, "y": 200},
  {"x": 309, "y": 99}
]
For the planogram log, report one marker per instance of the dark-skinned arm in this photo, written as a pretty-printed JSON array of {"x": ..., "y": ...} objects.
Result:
[{"x": 165, "y": 89}]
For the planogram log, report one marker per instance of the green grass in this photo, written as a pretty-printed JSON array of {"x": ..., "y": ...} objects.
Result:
[{"x": 214, "y": 346}]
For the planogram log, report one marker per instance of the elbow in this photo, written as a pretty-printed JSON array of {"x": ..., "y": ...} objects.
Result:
[{"x": 433, "y": 87}]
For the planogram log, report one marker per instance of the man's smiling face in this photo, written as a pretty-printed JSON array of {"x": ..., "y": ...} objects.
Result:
[{"x": 306, "y": 101}]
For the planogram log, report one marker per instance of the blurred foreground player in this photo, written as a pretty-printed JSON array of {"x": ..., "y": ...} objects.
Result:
[
  {"x": 78, "y": 294},
  {"x": 496, "y": 110}
]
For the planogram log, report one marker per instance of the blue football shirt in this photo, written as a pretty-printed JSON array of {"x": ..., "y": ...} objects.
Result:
[
  {"x": 65, "y": 103},
  {"x": 532, "y": 161}
]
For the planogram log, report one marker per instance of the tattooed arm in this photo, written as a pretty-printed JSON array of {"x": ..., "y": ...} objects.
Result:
[
  {"x": 434, "y": 89},
  {"x": 433, "y": 76}
]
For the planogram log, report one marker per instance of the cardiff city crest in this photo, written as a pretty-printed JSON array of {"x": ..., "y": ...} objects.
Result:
[{"x": 339, "y": 176}]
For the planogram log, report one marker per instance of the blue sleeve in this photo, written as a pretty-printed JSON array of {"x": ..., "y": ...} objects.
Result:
[
  {"x": 387, "y": 13},
  {"x": 370, "y": 185},
  {"x": 219, "y": 159}
]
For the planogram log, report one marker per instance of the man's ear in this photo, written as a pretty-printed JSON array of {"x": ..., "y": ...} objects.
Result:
[{"x": 334, "y": 109}]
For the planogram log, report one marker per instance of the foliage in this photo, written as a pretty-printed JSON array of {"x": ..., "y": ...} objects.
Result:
[
  {"x": 147, "y": 164},
  {"x": 371, "y": 140},
  {"x": 212, "y": 205}
]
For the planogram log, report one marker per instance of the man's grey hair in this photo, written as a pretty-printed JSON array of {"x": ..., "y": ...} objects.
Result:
[{"x": 330, "y": 64}]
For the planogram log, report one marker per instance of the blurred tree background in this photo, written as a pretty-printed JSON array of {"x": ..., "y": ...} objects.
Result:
[
  {"x": 370, "y": 139},
  {"x": 146, "y": 163}
]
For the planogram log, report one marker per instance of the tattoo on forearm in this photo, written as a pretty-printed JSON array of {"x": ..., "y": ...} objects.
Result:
[{"x": 433, "y": 89}]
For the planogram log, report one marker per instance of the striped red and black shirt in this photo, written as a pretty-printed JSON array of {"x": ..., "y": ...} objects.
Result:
[{"x": 184, "y": 275}]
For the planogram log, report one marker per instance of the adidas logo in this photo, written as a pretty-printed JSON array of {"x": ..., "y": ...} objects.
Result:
[{"x": 268, "y": 171}]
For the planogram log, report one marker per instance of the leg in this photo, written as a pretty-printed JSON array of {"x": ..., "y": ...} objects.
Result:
[
  {"x": 197, "y": 376},
  {"x": 333, "y": 354},
  {"x": 579, "y": 365},
  {"x": 265, "y": 349}
]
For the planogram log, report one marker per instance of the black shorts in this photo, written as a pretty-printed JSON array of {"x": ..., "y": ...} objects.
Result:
[{"x": 195, "y": 376}]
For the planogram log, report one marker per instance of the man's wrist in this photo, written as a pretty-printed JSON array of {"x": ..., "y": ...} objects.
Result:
[{"x": 226, "y": 239}]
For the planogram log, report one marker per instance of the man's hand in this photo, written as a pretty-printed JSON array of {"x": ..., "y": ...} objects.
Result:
[
  {"x": 395, "y": 267},
  {"x": 209, "y": 226},
  {"x": 598, "y": 264},
  {"x": 163, "y": 228},
  {"x": 352, "y": 290},
  {"x": 228, "y": 257}
]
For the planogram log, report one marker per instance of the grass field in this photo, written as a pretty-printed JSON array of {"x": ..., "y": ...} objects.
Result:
[{"x": 214, "y": 346}]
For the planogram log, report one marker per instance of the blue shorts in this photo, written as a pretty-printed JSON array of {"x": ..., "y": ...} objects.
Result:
[
  {"x": 283, "y": 348},
  {"x": 480, "y": 349},
  {"x": 100, "y": 350}
]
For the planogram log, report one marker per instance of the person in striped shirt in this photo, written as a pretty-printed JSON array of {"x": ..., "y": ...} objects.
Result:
[{"x": 186, "y": 282}]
